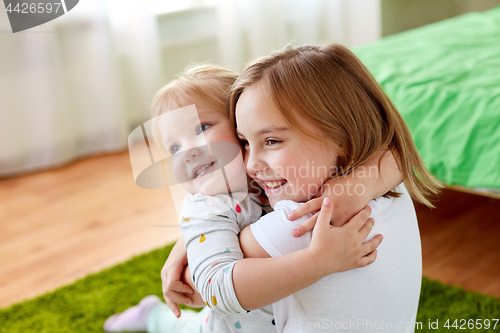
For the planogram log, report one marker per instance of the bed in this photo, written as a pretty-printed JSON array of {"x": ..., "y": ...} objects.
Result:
[{"x": 444, "y": 78}]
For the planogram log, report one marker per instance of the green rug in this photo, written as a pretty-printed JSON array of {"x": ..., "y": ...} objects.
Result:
[{"x": 84, "y": 305}]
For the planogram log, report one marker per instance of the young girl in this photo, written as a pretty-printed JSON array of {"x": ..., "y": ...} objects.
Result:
[
  {"x": 199, "y": 86},
  {"x": 319, "y": 103}
]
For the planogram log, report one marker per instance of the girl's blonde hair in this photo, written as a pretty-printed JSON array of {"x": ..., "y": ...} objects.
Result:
[
  {"x": 206, "y": 85},
  {"x": 330, "y": 88},
  {"x": 202, "y": 85}
]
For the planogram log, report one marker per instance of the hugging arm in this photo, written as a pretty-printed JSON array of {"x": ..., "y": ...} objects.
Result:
[
  {"x": 175, "y": 291},
  {"x": 195, "y": 300},
  {"x": 351, "y": 193},
  {"x": 177, "y": 279},
  {"x": 346, "y": 206},
  {"x": 263, "y": 280},
  {"x": 230, "y": 284},
  {"x": 212, "y": 250}
]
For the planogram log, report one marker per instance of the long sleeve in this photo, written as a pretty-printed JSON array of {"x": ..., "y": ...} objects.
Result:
[{"x": 210, "y": 227}]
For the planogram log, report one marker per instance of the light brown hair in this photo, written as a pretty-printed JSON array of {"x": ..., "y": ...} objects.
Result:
[
  {"x": 202, "y": 85},
  {"x": 330, "y": 88},
  {"x": 206, "y": 85}
]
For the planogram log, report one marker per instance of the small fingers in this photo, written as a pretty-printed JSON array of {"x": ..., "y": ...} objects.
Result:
[
  {"x": 309, "y": 207},
  {"x": 180, "y": 287},
  {"x": 371, "y": 245},
  {"x": 177, "y": 298},
  {"x": 368, "y": 259},
  {"x": 358, "y": 221},
  {"x": 308, "y": 225},
  {"x": 367, "y": 228},
  {"x": 174, "y": 307},
  {"x": 325, "y": 215}
]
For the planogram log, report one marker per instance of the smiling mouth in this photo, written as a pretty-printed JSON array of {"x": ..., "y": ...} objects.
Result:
[
  {"x": 274, "y": 184},
  {"x": 203, "y": 170}
]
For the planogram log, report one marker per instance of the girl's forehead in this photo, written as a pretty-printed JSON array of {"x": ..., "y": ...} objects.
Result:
[
  {"x": 181, "y": 117},
  {"x": 253, "y": 106},
  {"x": 201, "y": 109},
  {"x": 178, "y": 123}
]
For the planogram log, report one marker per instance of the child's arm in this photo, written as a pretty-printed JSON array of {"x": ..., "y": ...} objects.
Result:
[
  {"x": 259, "y": 282},
  {"x": 216, "y": 260},
  {"x": 195, "y": 299},
  {"x": 174, "y": 290},
  {"x": 249, "y": 245},
  {"x": 345, "y": 207},
  {"x": 374, "y": 178}
]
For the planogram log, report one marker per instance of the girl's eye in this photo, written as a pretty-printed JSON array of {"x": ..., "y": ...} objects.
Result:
[
  {"x": 202, "y": 128},
  {"x": 271, "y": 142},
  {"x": 174, "y": 149}
]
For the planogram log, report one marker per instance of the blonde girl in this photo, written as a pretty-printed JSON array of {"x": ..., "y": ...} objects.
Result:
[
  {"x": 319, "y": 103},
  {"x": 207, "y": 87}
]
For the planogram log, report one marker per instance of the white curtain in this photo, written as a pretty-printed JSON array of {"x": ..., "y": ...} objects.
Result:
[
  {"x": 253, "y": 28},
  {"x": 78, "y": 85},
  {"x": 74, "y": 86}
]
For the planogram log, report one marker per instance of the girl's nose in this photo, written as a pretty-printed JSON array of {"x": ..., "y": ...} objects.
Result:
[
  {"x": 193, "y": 147},
  {"x": 191, "y": 154},
  {"x": 253, "y": 162}
]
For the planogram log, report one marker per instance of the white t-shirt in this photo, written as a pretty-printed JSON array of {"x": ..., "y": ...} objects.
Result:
[{"x": 381, "y": 297}]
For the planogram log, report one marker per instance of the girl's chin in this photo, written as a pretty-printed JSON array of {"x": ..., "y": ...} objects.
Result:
[
  {"x": 274, "y": 199},
  {"x": 273, "y": 202}
]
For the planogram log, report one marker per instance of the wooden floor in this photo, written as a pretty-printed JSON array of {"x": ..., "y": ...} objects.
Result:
[
  {"x": 460, "y": 241},
  {"x": 57, "y": 226}
]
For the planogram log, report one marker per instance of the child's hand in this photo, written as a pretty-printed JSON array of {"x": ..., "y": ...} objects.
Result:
[
  {"x": 346, "y": 206},
  {"x": 339, "y": 249},
  {"x": 174, "y": 290},
  {"x": 195, "y": 300},
  {"x": 352, "y": 192}
]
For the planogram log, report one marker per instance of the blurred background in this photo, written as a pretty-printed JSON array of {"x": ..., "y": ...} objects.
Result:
[{"x": 77, "y": 86}]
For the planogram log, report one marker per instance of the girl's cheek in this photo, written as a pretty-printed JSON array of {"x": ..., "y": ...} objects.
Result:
[
  {"x": 178, "y": 172},
  {"x": 221, "y": 133},
  {"x": 245, "y": 156},
  {"x": 282, "y": 164},
  {"x": 209, "y": 138}
]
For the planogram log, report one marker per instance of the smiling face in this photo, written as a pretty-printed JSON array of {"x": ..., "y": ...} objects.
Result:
[
  {"x": 201, "y": 142},
  {"x": 284, "y": 162}
]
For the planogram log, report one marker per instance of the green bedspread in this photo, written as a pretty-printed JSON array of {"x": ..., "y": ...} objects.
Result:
[{"x": 444, "y": 78}]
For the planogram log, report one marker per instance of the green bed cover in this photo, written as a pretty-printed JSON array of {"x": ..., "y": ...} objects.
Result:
[{"x": 444, "y": 78}]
